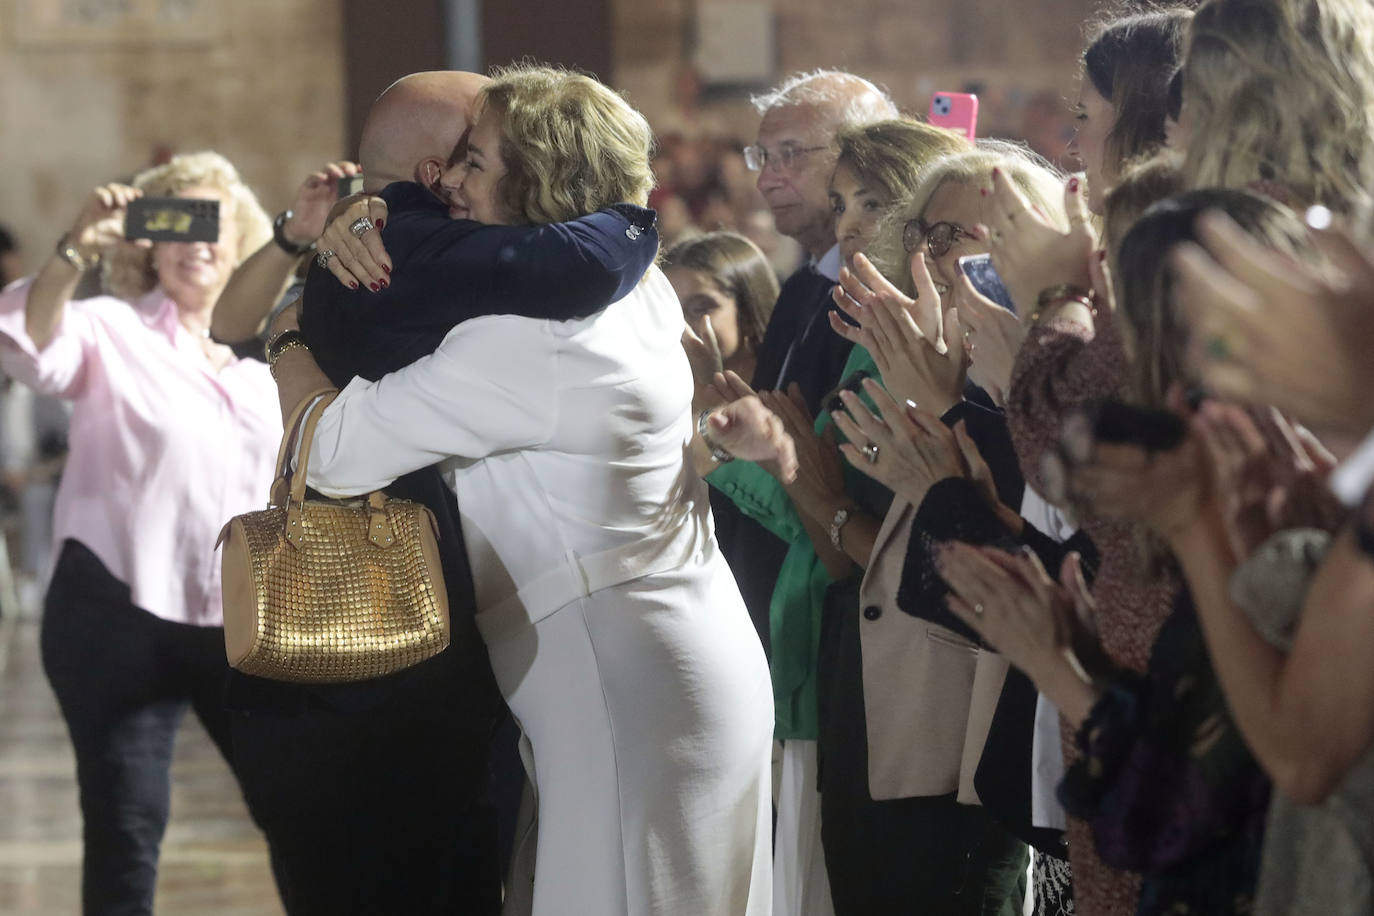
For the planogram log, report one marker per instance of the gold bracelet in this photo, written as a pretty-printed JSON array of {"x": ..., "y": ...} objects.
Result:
[
  {"x": 1062, "y": 292},
  {"x": 1086, "y": 301},
  {"x": 287, "y": 347}
]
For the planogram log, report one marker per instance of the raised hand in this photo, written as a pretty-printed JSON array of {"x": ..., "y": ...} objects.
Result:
[
  {"x": 1030, "y": 253},
  {"x": 313, "y": 201},
  {"x": 994, "y": 336},
  {"x": 101, "y": 221},
  {"x": 1269, "y": 330}
]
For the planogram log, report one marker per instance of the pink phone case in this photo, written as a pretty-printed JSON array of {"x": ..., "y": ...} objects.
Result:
[{"x": 956, "y": 111}]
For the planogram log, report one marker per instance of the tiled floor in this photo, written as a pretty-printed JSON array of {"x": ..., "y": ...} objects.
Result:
[{"x": 213, "y": 859}]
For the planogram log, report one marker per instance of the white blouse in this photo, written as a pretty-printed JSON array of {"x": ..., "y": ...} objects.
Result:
[{"x": 565, "y": 442}]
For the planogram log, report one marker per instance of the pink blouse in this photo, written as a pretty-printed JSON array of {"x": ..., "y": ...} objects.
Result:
[{"x": 164, "y": 450}]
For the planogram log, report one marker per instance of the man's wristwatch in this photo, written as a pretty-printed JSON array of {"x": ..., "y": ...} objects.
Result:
[
  {"x": 837, "y": 525},
  {"x": 285, "y": 244},
  {"x": 68, "y": 252}
]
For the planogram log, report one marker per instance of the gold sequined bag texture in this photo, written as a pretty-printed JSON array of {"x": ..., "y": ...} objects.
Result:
[{"x": 327, "y": 591}]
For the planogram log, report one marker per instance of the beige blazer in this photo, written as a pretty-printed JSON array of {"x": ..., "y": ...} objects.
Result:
[{"x": 929, "y": 693}]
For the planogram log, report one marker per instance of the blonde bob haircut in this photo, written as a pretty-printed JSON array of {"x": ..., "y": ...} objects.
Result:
[
  {"x": 891, "y": 153},
  {"x": 570, "y": 145},
  {"x": 1281, "y": 97},
  {"x": 128, "y": 270},
  {"x": 1039, "y": 181}
]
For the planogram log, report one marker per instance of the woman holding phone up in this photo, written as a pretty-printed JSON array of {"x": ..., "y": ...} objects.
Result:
[{"x": 170, "y": 436}]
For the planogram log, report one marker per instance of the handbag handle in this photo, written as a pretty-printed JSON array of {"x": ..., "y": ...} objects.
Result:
[
  {"x": 378, "y": 525},
  {"x": 280, "y": 480}
]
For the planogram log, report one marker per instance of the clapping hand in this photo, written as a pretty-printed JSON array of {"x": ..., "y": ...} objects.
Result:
[
  {"x": 819, "y": 481},
  {"x": 1269, "y": 330},
  {"x": 1029, "y": 252},
  {"x": 906, "y": 337},
  {"x": 994, "y": 336},
  {"x": 1038, "y": 624},
  {"x": 907, "y": 450}
]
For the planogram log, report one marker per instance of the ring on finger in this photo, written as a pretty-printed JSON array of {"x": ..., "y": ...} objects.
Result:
[
  {"x": 870, "y": 452},
  {"x": 323, "y": 257},
  {"x": 978, "y": 609},
  {"x": 361, "y": 226}
]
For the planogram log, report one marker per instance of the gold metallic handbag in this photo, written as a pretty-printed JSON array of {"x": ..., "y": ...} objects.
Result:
[{"x": 326, "y": 591}]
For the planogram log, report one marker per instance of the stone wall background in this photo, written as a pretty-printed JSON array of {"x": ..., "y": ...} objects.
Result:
[
  {"x": 268, "y": 94},
  {"x": 1015, "y": 50}
]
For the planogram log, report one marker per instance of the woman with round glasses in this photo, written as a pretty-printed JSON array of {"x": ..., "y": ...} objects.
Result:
[{"x": 909, "y": 691}]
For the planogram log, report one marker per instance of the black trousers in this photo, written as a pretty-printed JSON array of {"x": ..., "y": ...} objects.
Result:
[
  {"x": 124, "y": 678},
  {"x": 374, "y": 795},
  {"x": 927, "y": 856}
]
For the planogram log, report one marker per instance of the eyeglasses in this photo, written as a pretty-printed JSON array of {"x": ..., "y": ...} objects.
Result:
[
  {"x": 756, "y": 158},
  {"x": 939, "y": 237}
]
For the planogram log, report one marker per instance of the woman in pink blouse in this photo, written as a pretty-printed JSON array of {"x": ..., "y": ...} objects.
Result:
[{"x": 170, "y": 436}]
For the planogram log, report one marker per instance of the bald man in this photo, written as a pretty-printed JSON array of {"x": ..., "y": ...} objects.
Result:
[
  {"x": 410, "y": 134},
  {"x": 409, "y": 752}
]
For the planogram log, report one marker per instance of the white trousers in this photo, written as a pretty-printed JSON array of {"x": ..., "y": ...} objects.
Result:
[{"x": 801, "y": 886}]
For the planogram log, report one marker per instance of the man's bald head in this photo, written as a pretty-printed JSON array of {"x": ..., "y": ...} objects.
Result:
[{"x": 413, "y": 127}]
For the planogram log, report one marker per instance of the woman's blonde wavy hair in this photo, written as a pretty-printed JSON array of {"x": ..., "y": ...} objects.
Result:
[
  {"x": 1281, "y": 94},
  {"x": 1040, "y": 182},
  {"x": 570, "y": 145},
  {"x": 128, "y": 269}
]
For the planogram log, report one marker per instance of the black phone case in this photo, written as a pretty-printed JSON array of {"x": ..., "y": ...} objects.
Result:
[
  {"x": 1118, "y": 423},
  {"x": 172, "y": 219}
]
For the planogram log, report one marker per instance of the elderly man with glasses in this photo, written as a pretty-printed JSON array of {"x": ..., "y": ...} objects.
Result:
[{"x": 794, "y": 156}]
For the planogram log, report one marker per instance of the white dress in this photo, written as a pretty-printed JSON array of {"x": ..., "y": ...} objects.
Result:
[{"x": 615, "y": 628}]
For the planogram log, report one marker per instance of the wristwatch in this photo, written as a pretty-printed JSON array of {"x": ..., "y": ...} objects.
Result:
[
  {"x": 67, "y": 252},
  {"x": 718, "y": 454},
  {"x": 836, "y": 524},
  {"x": 285, "y": 244}
]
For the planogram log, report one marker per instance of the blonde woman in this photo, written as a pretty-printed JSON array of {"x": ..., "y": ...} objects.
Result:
[
  {"x": 170, "y": 436},
  {"x": 614, "y": 628},
  {"x": 1278, "y": 97}
]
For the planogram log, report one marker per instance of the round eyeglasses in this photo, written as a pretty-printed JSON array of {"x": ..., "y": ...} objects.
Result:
[{"x": 939, "y": 237}]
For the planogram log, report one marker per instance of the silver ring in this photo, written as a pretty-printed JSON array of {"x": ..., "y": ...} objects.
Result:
[
  {"x": 361, "y": 227},
  {"x": 870, "y": 452},
  {"x": 978, "y": 609},
  {"x": 323, "y": 257}
]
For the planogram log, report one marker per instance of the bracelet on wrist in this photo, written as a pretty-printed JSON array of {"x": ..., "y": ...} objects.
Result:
[
  {"x": 294, "y": 343},
  {"x": 68, "y": 252},
  {"x": 837, "y": 523},
  {"x": 718, "y": 454},
  {"x": 1052, "y": 297}
]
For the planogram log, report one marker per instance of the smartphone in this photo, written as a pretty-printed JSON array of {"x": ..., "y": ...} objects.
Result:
[
  {"x": 980, "y": 272},
  {"x": 1125, "y": 424},
  {"x": 172, "y": 219},
  {"x": 956, "y": 111},
  {"x": 350, "y": 185}
]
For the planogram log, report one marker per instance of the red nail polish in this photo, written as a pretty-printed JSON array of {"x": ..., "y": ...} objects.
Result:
[
  {"x": 385, "y": 284},
  {"x": 352, "y": 284},
  {"x": 996, "y": 172},
  {"x": 380, "y": 223},
  {"x": 1073, "y": 185},
  {"x": 374, "y": 287},
  {"x": 983, "y": 192},
  {"x": 386, "y": 268}
]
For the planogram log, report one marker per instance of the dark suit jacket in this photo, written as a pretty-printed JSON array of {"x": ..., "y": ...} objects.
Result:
[{"x": 799, "y": 339}]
